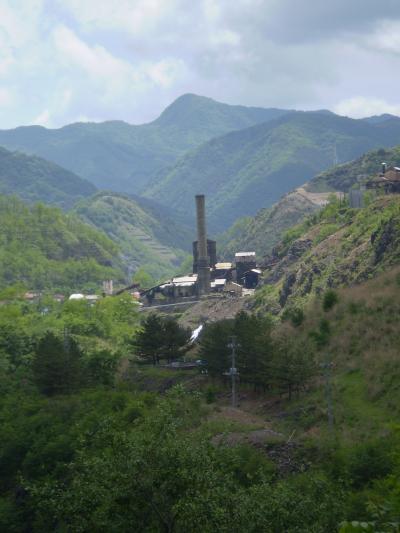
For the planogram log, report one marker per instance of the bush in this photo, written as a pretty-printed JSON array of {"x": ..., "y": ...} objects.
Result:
[{"x": 330, "y": 300}]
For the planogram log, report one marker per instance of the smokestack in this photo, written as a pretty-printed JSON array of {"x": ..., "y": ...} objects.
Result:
[
  {"x": 383, "y": 169},
  {"x": 203, "y": 271}
]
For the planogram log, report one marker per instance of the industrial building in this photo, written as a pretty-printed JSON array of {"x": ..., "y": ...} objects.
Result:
[
  {"x": 388, "y": 181},
  {"x": 209, "y": 275}
]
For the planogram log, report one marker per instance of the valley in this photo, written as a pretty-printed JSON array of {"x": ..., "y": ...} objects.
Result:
[{"x": 117, "y": 403}]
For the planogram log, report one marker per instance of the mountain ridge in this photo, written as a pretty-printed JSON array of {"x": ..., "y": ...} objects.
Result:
[
  {"x": 34, "y": 179},
  {"x": 120, "y": 156},
  {"x": 252, "y": 168}
]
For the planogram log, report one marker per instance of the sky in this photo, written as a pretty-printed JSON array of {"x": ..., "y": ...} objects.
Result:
[{"x": 64, "y": 61}]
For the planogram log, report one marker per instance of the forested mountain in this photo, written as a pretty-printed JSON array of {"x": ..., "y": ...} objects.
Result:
[
  {"x": 147, "y": 234},
  {"x": 122, "y": 157},
  {"x": 245, "y": 170},
  {"x": 42, "y": 248},
  {"x": 34, "y": 179}
]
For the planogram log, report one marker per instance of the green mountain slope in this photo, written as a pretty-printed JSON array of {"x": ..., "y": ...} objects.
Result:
[
  {"x": 262, "y": 232},
  {"x": 120, "y": 156},
  {"x": 146, "y": 234},
  {"x": 42, "y": 248},
  {"x": 248, "y": 169},
  {"x": 344, "y": 177},
  {"x": 335, "y": 247},
  {"x": 35, "y": 179}
]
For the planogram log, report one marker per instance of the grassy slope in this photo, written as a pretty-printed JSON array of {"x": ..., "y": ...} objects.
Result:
[
  {"x": 34, "y": 179},
  {"x": 120, "y": 156},
  {"x": 336, "y": 247},
  {"x": 249, "y": 169},
  {"x": 148, "y": 237},
  {"x": 363, "y": 346},
  {"x": 43, "y": 248}
]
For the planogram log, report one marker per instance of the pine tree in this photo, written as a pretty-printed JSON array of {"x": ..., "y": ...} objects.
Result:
[
  {"x": 57, "y": 365},
  {"x": 214, "y": 346}
]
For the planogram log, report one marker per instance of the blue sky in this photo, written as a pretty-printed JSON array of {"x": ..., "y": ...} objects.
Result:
[{"x": 63, "y": 61}]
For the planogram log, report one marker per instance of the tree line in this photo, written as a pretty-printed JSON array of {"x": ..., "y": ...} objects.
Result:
[{"x": 264, "y": 359}]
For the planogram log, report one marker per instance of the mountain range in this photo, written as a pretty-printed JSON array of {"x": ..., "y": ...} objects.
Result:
[
  {"x": 118, "y": 156},
  {"x": 248, "y": 169},
  {"x": 244, "y": 159}
]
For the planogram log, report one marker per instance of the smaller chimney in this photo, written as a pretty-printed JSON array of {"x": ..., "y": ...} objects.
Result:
[{"x": 383, "y": 169}]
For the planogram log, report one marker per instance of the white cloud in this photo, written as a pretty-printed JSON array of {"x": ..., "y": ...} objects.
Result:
[
  {"x": 95, "y": 61},
  {"x": 127, "y": 59},
  {"x": 386, "y": 37},
  {"x": 43, "y": 119},
  {"x": 133, "y": 16},
  {"x": 164, "y": 73},
  {"x": 360, "y": 107},
  {"x": 112, "y": 74}
]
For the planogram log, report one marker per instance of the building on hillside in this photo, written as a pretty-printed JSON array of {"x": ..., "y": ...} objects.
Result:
[
  {"x": 251, "y": 278},
  {"x": 244, "y": 261},
  {"x": 388, "y": 181}
]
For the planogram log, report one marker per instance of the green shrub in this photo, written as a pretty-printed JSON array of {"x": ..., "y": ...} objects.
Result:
[{"x": 330, "y": 300}]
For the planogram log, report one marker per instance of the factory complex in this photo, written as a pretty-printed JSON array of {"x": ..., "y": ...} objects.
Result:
[{"x": 209, "y": 275}]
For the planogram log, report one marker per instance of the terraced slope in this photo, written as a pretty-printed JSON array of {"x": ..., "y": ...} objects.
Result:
[{"x": 148, "y": 237}]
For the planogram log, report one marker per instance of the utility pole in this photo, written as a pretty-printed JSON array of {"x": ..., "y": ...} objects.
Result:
[{"x": 233, "y": 370}]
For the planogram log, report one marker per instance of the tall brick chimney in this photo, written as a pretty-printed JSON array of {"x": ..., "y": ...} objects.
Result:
[{"x": 203, "y": 279}]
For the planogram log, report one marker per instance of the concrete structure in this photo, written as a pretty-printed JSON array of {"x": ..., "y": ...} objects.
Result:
[
  {"x": 244, "y": 261},
  {"x": 222, "y": 271},
  {"x": 211, "y": 252},
  {"x": 203, "y": 262},
  {"x": 388, "y": 181}
]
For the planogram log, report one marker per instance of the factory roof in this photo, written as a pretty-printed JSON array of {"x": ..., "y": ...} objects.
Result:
[
  {"x": 185, "y": 279},
  {"x": 223, "y": 266},
  {"x": 245, "y": 254}
]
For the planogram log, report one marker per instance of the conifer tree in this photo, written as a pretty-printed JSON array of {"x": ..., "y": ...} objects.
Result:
[{"x": 57, "y": 365}]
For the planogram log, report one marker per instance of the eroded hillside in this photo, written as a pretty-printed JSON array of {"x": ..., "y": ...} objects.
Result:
[{"x": 336, "y": 247}]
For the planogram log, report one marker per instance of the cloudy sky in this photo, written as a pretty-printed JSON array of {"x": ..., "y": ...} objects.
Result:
[{"x": 63, "y": 61}]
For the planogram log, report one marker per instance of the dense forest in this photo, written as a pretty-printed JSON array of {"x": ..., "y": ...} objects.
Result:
[
  {"x": 36, "y": 180},
  {"x": 41, "y": 248},
  {"x": 98, "y": 436}
]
